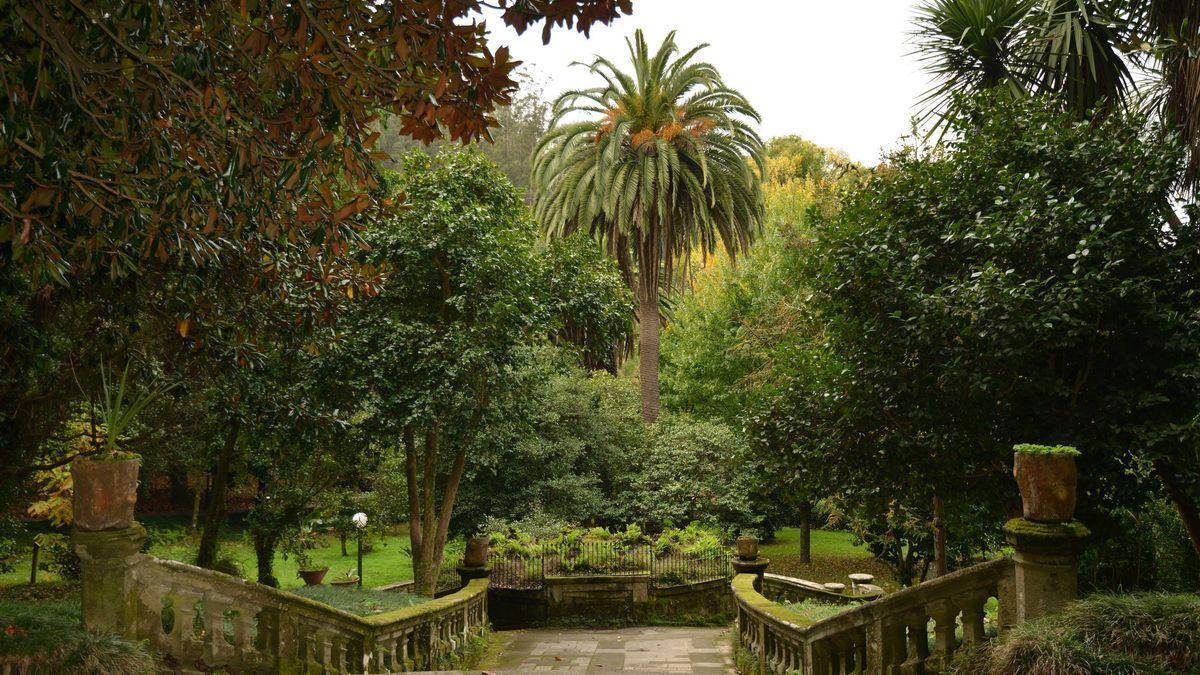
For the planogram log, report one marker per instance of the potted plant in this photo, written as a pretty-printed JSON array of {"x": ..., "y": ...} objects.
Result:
[
  {"x": 477, "y": 551},
  {"x": 348, "y": 578},
  {"x": 105, "y": 480},
  {"x": 747, "y": 546},
  {"x": 309, "y": 572},
  {"x": 1046, "y": 477}
]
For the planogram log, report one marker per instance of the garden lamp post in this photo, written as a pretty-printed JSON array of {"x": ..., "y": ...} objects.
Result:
[{"x": 360, "y": 522}]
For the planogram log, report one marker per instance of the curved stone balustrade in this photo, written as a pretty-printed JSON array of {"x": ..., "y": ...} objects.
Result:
[
  {"x": 888, "y": 635},
  {"x": 202, "y": 620},
  {"x": 778, "y": 587}
]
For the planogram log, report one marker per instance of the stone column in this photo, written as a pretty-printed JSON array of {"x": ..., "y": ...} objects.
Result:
[
  {"x": 747, "y": 560},
  {"x": 1047, "y": 560},
  {"x": 106, "y": 554}
]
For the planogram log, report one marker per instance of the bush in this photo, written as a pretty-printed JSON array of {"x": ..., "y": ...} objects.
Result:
[
  {"x": 1117, "y": 634},
  {"x": 50, "y": 635},
  {"x": 59, "y": 555}
]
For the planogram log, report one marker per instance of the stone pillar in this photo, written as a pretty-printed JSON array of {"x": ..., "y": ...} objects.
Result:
[
  {"x": 106, "y": 556},
  {"x": 747, "y": 560},
  {"x": 469, "y": 572},
  {"x": 1046, "y": 558}
]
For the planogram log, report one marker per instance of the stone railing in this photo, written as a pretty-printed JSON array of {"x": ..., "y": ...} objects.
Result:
[
  {"x": 887, "y": 635},
  {"x": 204, "y": 620},
  {"x": 790, "y": 589},
  {"x": 200, "y": 620}
]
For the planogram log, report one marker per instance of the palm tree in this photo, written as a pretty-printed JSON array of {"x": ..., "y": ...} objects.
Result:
[
  {"x": 652, "y": 164},
  {"x": 1079, "y": 50}
]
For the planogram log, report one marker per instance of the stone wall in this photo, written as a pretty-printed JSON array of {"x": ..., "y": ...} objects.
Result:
[{"x": 609, "y": 599}]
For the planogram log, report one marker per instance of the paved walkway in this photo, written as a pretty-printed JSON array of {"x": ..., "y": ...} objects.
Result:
[{"x": 632, "y": 650}]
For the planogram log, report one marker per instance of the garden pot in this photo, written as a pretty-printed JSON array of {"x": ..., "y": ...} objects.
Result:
[
  {"x": 105, "y": 493},
  {"x": 1047, "y": 484},
  {"x": 344, "y": 583},
  {"x": 477, "y": 551},
  {"x": 747, "y": 548},
  {"x": 313, "y": 577}
]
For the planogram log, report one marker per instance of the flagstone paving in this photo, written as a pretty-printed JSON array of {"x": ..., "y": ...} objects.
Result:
[{"x": 704, "y": 651}]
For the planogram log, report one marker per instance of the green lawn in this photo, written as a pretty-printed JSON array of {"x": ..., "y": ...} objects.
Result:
[
  {"x": 388, "y": 562},
  {"x": 830, "y": 543}
]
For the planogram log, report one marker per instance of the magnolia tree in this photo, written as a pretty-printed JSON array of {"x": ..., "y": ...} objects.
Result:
[{"x": 438, "y": 344}]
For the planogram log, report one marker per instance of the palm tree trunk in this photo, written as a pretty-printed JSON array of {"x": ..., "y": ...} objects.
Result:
[{"x": 648, "y": 325}]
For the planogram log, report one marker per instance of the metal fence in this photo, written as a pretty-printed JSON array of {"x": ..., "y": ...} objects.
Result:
[{"x": 669, "y": 568}]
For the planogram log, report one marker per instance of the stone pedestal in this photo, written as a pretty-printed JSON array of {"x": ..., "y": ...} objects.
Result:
[
  {"x": 756, "y": 567},
  {"x": 105, "y": 558},
  {"x": 1046, "y": 558},
  {"x": 470, "y": 572}
]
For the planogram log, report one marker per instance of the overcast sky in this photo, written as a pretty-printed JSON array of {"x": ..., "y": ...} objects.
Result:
[{"x": 837, "y": 72}]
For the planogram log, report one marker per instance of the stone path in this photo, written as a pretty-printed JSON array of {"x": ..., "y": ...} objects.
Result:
[{"x": 631, "y": 650}]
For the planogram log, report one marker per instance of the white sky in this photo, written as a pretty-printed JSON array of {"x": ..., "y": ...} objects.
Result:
[{"x": 837, "y": 72}]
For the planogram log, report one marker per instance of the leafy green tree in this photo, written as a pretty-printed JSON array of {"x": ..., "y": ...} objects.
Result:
[
  {"x": 592, "y": 307},
  {"x": 656, "y": 172},
  {"x": 438, "y": 344},
  {"x": 1020, "y": 283},
  {"x": 151, "y": 150},
  {"x": 1077, "y": 50}
]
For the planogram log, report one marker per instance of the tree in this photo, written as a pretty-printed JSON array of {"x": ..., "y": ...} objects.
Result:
[
  {"x": 439, "y": 344},
  {"x": 658, "y": 171},
  {"x": 592, "y": 307},
  {"x": 1019, "y": 283},
  {"x": 153, "y": 149},
  {"x": 1076, "y": 50}
]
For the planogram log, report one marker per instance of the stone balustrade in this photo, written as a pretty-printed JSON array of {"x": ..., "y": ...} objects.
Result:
[
  {"x": 201, "y": 620},
  {"x": 790, "y": 589},
  {"x": 888, "y": 635}
]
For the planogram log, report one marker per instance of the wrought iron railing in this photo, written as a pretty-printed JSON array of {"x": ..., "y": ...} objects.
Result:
[{"x": 665, "y": 568}]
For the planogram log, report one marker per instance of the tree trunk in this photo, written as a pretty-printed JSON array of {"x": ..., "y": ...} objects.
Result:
[
  {"x": 214, "y": 515},
  {"x": 342, "y": 539},
  {"x": 648, "y": 325},
  {"x": 806, "y": 533},
  {"x": 264, "y": 556},
  {"x": 941, "y": 565},
  {"x": 1184, "y": 503}
]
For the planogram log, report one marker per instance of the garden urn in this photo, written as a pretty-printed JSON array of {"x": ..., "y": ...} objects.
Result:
[
  {"x": 477, "y": 551},
  {"x": 1046, "y": 476},
  {"x": 313, "y": 577},
  {"x": 747, "y": 548},
  {"x": 105, "y": 492}
]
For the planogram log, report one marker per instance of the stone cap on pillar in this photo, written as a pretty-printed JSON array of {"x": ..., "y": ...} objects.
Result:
[{"x": 1028, "y": 535}]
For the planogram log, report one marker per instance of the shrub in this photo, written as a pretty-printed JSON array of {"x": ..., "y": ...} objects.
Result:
[
  {"x": 50, "y": 635},
  {"x": 227, "y": 564},
  {"x": 1118, "y": 634},
  {"x": 59, "y": 555}
]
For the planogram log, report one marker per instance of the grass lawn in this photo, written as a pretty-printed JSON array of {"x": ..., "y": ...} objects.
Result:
[
  {"x": 834, "y": 557},
  {"x": 825, "y": 543},
  {"x": 388, "y": 562}
]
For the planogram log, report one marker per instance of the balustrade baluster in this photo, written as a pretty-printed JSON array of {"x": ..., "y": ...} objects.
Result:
[
  {"x": 944, "y": 613},
  {"x": 972, "y": 605},
  {"x": 917, "y": 625},
  {"x": 217, "y": 649}
]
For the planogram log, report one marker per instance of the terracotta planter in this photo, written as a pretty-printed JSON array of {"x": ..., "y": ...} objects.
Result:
[
  {"x": 747, "y": 548},
  {"x": 344, "y": 583},
  {"x": 313, "y": 577},
  {"x": 477, "y": 551},
  {"x": 1047, "y": 484},
  {"x": 105, "y": 493}
]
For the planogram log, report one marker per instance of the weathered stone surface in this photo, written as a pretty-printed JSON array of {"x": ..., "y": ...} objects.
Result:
[
  {"x": 105, "y": 493},
  {"x": 645, "y": 650}
]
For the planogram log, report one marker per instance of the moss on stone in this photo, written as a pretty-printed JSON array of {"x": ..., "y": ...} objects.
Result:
[
  {"x": 1030, "y": 530},
  {"x": 1034, "y": 449},
  {"x": 743, "y": 588}
]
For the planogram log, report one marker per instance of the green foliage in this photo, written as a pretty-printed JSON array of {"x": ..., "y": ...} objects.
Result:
[
  {"x": 813, "y": 610},
  {"x": 58, "y": 555},
  {"x": 51, "y": 635},
  {"x": 1015, "y": 283},
  {"x": 1032, "y": 449},
  {"x": 591, "y": 304},
  {"x": 1105, "y": 634}
]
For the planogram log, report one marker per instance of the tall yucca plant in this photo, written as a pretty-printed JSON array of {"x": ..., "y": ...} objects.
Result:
[{"x": 653, "y": 163}]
